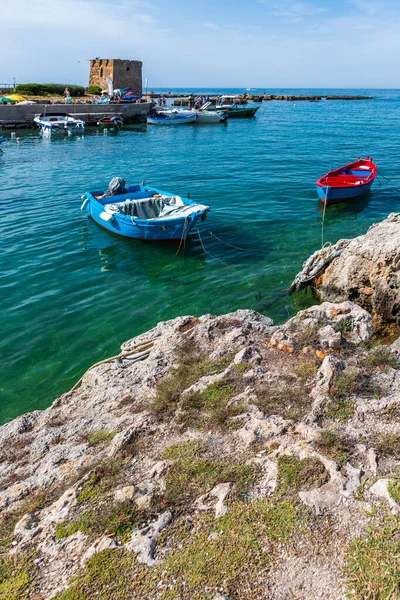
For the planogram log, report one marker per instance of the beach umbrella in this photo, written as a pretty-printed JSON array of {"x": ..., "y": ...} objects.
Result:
[
  {"x": 15, "y": 97},
  {"x": 6, "y": 101}
]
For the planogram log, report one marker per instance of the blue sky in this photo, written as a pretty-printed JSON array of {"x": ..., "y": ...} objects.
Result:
[{"x": 225, "y": 43}]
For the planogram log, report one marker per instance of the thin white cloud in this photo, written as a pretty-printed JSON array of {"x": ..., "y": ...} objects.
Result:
[
  {"x": 368, "y": 8},
  {"x": 213, "y": 26},
  {"x": 293, "y": 10}
]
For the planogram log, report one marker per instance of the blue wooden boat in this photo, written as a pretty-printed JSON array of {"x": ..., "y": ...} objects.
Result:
[
  {"x": 142, "y": 212},
  {"x": 347, "y": 182}
]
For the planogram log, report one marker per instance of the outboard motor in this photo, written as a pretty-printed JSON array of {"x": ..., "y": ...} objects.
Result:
[{"x": 116, "y": 186}]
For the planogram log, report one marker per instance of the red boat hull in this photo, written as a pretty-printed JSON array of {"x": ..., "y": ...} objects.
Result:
[{"x": 348, "y": 182}]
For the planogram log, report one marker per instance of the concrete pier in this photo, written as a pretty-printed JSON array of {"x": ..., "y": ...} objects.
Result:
[{"x": 14, "y": 116}]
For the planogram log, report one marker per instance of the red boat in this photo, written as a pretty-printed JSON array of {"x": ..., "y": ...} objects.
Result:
[{"x": 347, "y": 182}]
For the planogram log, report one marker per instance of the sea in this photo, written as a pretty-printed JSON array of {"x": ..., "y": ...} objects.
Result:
[{"x": 71, "y": 292}]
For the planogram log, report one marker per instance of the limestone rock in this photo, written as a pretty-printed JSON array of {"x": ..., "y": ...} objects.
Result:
[
  {"x": 143, "y": 541},
  {"x": 214, "y": 500},
  {"x": 380, "y": 489},
  {"x": 365, "y": 270},
  {"x": 102, "y": 543}
]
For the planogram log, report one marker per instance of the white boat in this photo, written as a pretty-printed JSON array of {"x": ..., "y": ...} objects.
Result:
[
  {"x": 202, "y": 115},
  {"x": 172, "y": 118},
  {"x": 59, "y": 123},
  {"x": 211, "y": 116}
]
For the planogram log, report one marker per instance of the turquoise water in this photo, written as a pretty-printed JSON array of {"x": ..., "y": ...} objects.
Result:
[{"x": 71, "y": 292}]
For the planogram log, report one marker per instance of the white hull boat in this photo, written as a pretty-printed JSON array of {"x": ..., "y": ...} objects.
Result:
[
  {"x": 172, "y": 117},
  {"x": 59, "y": 123},
  {"x": 210, "y": 116},
  {"x": 201, "y": 116}
]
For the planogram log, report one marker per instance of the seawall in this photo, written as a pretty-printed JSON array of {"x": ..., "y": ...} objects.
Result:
[{"x": 23, "y": 115}]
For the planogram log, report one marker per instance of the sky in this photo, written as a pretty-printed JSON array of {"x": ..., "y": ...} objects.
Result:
[{"x": 206, "y": 43}]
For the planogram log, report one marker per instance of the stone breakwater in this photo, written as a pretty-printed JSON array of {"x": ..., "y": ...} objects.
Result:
[
  {"x": 365, "y": 270},
  {"x": 183, "y": 99},
  {"x": 217, "y": 457}
]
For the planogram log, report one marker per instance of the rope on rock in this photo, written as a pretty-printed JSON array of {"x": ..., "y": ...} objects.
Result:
[
  {"x": 136, "y": 354},
  {"x": 317, "y": 263}
]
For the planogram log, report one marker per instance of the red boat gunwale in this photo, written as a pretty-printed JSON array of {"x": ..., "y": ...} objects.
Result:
[{"x": 341, "y": 178}]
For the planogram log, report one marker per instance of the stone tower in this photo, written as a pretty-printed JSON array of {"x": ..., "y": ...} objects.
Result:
[{"x": 123, "y": 73}]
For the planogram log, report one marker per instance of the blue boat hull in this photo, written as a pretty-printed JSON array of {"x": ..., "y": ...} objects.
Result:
[
  {"x": 330, "y": 195},
  {"x": 177, "y": 228}
]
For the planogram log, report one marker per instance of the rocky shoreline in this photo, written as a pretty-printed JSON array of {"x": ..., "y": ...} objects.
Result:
[
  {"x": 365, "y": 270},
  {"x": 216, "y": 457}
]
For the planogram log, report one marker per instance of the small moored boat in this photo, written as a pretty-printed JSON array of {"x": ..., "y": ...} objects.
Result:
[
  {"x": 211, "y": 116},
  {"x": 112, "y": 122},
  {"x": 347, "y": 182},
  {"x": 202, "y": 116},
  {"x": 233, "y": 105},
  {"x": 142, "y": 212},
  {"x": 172, "y": 118},
  {"x": 59, "y": 123}
]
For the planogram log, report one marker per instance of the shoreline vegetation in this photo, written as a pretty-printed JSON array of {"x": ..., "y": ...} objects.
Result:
[{"x": 219, "y": 458}]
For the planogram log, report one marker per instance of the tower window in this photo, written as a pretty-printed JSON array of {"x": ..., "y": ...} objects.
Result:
[{"x": 127, "y": 68}]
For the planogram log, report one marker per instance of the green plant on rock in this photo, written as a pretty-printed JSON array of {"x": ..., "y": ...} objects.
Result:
[
  {"x": 229, "y": 553},
  {"x": 100, "y": 437},
  {"x": 373, "y": 563},
  {"x": 111, "y": 575},
  {"x": 335, "y": 446},
  {"x": 104, "y": 477},
  {"x": 387, "y": 444},
  {"x": 192, "y": 474},
  {"x": 191, "y": 366},
  {"x": 344, "y": 384},
  {"x": 381, "y": 356},
  {"x": 86, "y": 522},
  {"x": 394, "y": 489},
  {"x": 286, "y": 398},
  {"x": 295, "y": 475},
  {"x": 16, "y": 576},
  {"x": 118, "y": 519},
  {"x": 210, "y": 408},
  {"x": 340, "y": 409}
]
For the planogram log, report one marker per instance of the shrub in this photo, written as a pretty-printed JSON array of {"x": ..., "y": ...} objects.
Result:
[
  {"x": 44, "y": 89},
  {"x": 94, "y": 89},
  {"x": 31, "y": 89}
]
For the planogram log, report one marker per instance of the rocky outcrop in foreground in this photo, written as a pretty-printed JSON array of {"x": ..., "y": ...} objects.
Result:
[
  {"x": 217, "y": 457},
  {"x": 365, "y": 270}
]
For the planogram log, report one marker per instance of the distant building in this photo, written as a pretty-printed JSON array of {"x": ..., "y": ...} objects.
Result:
[{"x": 123, "y": 73}]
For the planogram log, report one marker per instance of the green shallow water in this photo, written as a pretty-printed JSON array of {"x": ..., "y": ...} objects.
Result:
[{"x": 71, "y": 293}]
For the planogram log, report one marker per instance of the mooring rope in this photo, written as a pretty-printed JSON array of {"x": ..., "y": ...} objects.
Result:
[
  {"x": 135, "y": 354},
  {"x": 183, "y": 237},
  {"x": 223, "y": 241}
]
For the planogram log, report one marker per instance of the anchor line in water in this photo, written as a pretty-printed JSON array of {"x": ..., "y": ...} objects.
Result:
[
  {"x": 383, "y": 177},
  {"x": 223, "y": 241},
  {"x": 183, "y": 238}
]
